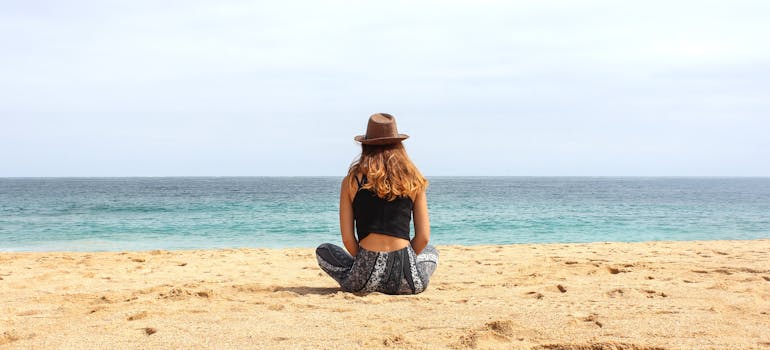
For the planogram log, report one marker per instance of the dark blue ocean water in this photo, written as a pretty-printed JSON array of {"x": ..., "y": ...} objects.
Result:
[{"x": 95, "y": 214}]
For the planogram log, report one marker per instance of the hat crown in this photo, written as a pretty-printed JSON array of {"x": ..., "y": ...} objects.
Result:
[{"x": 381, "y": 125}]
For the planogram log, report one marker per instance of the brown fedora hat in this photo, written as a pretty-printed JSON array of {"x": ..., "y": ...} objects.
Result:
[{"x": 381, "y": 130}]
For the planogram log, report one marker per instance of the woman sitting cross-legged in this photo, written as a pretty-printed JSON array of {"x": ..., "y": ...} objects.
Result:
[{"x": 381, "y": 193}]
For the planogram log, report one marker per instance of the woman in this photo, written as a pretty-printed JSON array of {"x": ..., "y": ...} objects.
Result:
[{"x": 381, "y": 193}]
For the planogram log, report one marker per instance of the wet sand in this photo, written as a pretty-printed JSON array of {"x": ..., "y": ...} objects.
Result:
[{"x": 652, "y": 295}]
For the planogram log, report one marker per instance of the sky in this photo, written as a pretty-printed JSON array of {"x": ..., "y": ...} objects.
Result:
[{"x": 280, "y": 88}]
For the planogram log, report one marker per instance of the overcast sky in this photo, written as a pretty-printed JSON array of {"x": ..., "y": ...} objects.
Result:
[{"x": 177, "y": 88}]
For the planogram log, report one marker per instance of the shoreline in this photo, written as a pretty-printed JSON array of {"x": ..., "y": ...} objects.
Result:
[
  {"x": 472, "y": 245},
  {"x": 631, "y": 295}
]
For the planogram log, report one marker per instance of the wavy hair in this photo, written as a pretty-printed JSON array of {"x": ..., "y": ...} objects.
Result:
[{"x": 389, "y": 172}]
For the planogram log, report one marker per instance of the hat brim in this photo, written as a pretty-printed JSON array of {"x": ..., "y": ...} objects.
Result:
[{"x": 381, "y": 140}]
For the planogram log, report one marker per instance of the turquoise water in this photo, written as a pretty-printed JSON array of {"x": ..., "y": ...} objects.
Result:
[{"x": 98, "y": 214}]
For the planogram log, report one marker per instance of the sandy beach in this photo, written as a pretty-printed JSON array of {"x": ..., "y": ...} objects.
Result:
[{"x": 653, "y": 295}]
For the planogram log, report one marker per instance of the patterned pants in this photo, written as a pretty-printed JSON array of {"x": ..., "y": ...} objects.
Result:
[{"x": 396, "y": 272}]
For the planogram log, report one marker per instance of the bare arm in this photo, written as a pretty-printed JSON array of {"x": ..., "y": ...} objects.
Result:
[
  {"x": 421, "y": 223},
  {"x": 346, "y": 219}
]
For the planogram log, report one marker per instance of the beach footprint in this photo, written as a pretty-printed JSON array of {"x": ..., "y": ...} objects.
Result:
[
  {"x": 490, "y": 335},
  {"x": 588, "y": 318}
]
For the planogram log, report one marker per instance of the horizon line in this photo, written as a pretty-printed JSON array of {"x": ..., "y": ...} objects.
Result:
[{"x": 340, "y": 176}]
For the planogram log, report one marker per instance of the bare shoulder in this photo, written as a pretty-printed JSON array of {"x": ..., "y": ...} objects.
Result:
[
  {"x": 344, "y": 184},
  {"x": 345, "y": 188},
  {"x": 419, "y": 196}
]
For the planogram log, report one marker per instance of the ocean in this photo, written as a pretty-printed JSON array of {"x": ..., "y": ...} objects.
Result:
[{"x": 116, "y": 214}]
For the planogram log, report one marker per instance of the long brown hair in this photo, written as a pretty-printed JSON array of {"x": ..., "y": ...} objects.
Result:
[{"x": 389, "y": 172}]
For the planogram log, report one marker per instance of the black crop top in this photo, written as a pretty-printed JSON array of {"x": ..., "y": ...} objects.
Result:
[{"x": 378, "y": 215}]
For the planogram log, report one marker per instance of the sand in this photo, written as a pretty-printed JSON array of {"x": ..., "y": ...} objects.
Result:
[{"x": 655, "y": 295}]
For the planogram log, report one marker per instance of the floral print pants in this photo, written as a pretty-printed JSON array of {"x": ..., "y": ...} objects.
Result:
[{"x": 397, "y": 272}]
